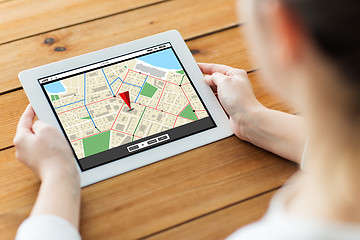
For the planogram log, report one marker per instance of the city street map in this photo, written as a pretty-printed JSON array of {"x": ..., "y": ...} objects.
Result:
[{"x": 95, "y": 118}]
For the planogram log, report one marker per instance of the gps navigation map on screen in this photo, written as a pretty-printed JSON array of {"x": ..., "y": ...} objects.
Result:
[{"x": 95, "y": 117}]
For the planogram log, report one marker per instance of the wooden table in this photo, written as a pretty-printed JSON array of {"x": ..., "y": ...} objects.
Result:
[{"x": 206, "y": 193}]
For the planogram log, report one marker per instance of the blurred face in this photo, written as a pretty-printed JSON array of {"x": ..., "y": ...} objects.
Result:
[
  {"x": 255, "y": 31},
  {"x": 269, "y": 50},
  {"x": 293, "y": 66}
]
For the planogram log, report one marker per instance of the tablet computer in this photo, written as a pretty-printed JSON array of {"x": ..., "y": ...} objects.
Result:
[{"x": 127, "y": 106}]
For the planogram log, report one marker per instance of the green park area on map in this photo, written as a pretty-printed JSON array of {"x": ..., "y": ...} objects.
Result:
[
  {"x": 54, "y": 97},
  {"x": 148, "y": 90},
  {"x": 188, "y": 113},
  {"x": 97, "y": 143}
]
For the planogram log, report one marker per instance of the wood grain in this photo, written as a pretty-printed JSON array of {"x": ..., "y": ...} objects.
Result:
[
  {"x": 220, "y": 224},
  {"x": 155, "y": 197},
  {"x": 22, "y": 18},
  {"x": 226, "y": 47},
  {"x": 182, "y": 15}
]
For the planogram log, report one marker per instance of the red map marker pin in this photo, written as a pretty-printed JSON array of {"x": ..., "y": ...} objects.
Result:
[{"x": 125, "y": 96}]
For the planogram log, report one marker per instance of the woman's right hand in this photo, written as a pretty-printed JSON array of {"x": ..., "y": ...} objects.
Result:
[
  {"x": 46, "y": 152},
  {"x": 43, "y": 149},
  {"x": 235, "y": 94}
]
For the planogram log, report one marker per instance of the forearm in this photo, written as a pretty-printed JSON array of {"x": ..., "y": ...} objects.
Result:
[
  {"x": 278, "y": 132},
  {"x": 59, "y": 195}
]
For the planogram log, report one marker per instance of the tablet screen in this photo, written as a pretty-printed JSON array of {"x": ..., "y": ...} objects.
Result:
[{"x": 121, "y": 106}]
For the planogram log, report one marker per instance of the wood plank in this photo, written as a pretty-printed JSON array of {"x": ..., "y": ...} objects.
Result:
[
  {"x": 14, "y": 103},
  {"x": 183, "y": 15},
  {"x": 18, "y": 193},
  {"x": 220, "y": 224},
  {"x": 156, "y": 197},
  {"x": 22, "y": 18},
  {"x": 227, "y": 47}
]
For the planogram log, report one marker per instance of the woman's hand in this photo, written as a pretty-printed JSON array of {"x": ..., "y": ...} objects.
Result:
[
  {"x": 235, "y": 94},
  {"x": 43, "y": 149},
  {"x": 275, "y": 131}
]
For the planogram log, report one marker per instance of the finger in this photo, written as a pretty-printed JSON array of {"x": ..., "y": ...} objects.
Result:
[
  {"x": 215, "y": 79},
  {"x": 209, "y": 80},
  {"x": 26, "y": 120},
  {"x": 218, "y": 78},
  {"x": 39, "y": 126},
  {"x": 24, "y": 126},
  {"x": 211, "y": 68}
]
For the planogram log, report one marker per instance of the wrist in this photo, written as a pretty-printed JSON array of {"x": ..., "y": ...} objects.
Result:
[
  {"x": 59, "y": 195},
  {"x": 66, "y": 174},
  {"x": 245, "y": 123},
  {"x": 63, "y": 184}
]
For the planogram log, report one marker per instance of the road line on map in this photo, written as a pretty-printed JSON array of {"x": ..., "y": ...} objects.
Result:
[
  {"x": 129, "y": 83},
  {"x": 85, "y": 101},
  {"x": 175, "y": 121},
  {"x": 86, "y": 104},
  {"x": 84, "y": 88},
  {"x": 89, "y": 136},
  {"x": 115, "y": 80},
  {"x": 116, "y": 95},
  {"x": 189, "y": 102},
  {"x": 183, "y": 109},
  {"x": 138, "y": 123},
  {"x": 165, "y": 112},
  {"x": 161, "y": 95},
  {"x": 69, "y": 104},
  {"x": 141, "y": 89},
  {"x": 132, "y": 85},
  {"x": 117, "y": 116},
  {"x": 153, "y": 77},
  {"x": 71, "y": 109},
  {"x": 181, "y": 80},
  {"x": 123, "y": 133},
  {"x": 122, "y": 82},
  {"x": 107, "y": 82},
  {"x": 187, "y": 118},
  {"x": 99, "y": 101},
  {"x": 90, "y": 116}
]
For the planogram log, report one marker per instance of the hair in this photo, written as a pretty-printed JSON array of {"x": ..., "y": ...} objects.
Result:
[{"x": 334, "y": 26}]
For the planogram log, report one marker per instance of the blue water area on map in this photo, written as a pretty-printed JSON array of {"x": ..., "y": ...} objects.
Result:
[
  {"x": 163, "y": 59},
  {"x": 55, "y": 87}
]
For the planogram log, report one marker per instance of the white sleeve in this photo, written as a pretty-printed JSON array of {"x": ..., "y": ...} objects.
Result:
[{"x": 47, "y": 227}]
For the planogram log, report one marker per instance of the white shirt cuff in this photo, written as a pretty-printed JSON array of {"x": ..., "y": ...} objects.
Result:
[{"x": 47, "y": 227}]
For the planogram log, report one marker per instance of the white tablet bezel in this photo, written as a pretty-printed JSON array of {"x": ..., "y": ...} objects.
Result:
[{"x": 37, "y": 98}]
